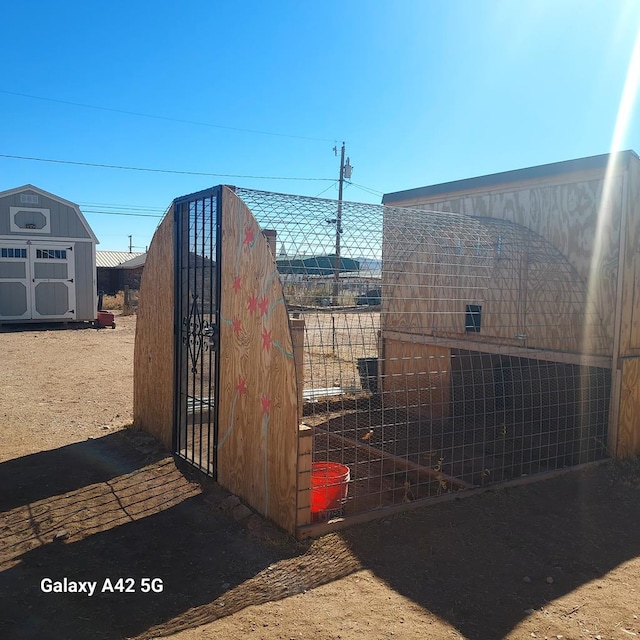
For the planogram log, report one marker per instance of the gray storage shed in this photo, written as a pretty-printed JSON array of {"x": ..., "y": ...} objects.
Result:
[{"x": 47, "y": 259}]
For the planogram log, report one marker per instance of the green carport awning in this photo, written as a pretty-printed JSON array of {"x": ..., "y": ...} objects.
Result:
[{"x": 316, "y": 265}]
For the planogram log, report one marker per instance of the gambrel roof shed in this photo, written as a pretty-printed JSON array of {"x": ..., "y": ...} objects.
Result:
[{"x": 47, "y": 258}]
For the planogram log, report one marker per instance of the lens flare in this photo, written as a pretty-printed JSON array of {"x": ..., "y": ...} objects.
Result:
[{"x": 606, "y": 232}]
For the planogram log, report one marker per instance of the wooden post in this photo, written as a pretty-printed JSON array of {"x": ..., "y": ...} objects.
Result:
[
  {"x": 305, "y": 433},
  {"x": 305, "y": 458},
  {"x": 271, "y": 236},
  {"x": 613, "y": 437},
  {"x": 333, "y": 333},
  {"x": 297, "y": 339},
  {"x": 336, "y": 261}
]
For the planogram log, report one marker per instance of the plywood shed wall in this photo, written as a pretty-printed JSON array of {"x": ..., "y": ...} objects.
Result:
[
  {"x": 530, "y": 295},
  {"x": 47, "y": 259},
  {"x": 587, "y": 213}
]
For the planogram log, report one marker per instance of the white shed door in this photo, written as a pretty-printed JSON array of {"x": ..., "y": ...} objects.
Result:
[
  {"x": 53, "y": 289},
  {"x": 15, "y": 296}
]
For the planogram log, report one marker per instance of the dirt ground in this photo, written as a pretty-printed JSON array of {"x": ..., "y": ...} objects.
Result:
[{"x": 87, "y": 498}]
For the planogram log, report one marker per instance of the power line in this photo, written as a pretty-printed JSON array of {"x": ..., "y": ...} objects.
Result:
[
  {"x": 151, "y": 170},
  {"x": 366, "y": 189},
  {"x": 111, "y": 205},
  {"x": 327, "y": 189},
  {"x": 166, "y": 118},
  {"x": 118, "y": 213}
]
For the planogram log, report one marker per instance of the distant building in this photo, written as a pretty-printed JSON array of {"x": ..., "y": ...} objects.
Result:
[{"x": 117, "y": 269}]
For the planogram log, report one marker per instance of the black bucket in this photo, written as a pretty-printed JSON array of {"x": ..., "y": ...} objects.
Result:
[{"x": 368, "y": 370}]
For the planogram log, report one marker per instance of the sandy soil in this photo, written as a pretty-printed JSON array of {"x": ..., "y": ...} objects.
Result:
[{"x": 86, "y": 497}]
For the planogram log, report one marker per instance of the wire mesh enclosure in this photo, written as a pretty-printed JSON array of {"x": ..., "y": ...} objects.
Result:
[
  {"x": 331, "y": 361},
  {"x": 441, "y": 352}
]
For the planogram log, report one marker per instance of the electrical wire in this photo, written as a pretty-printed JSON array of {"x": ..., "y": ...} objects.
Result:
[
  {"x": 112, "y": 205},
  {"x": 327, "y": 189},
  {"x": 152, "y": 170},
  {"x": 165, "y": 118},
  {"x": 366, "y": 189},
  {"x": 122, "y": 213}
]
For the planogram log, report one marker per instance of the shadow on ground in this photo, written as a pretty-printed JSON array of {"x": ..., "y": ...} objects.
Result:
[
  {"x": 482, "y": 562},
  {"x": 118, "y": 507},
  {"x": 45, "y": 326},
  {"x": 50, "y": 473},
  {"x": 135, "y": 515}
]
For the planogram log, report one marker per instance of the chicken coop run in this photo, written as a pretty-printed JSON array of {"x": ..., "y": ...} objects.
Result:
[{"x": 331, "y": 362}]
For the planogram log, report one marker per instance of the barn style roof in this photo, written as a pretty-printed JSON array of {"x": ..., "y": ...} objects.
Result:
[{"x": 53, "y": 196}]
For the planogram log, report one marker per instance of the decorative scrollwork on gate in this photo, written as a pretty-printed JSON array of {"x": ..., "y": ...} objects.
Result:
[{"x": 198, "y": 335}]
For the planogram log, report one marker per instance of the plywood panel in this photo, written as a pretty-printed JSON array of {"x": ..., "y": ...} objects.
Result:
[
  {"x": 630, "y": 330},
  {"x": 154, "y": 354},
  {"x": 432, "y": 270},
  {"x": 566, "y": 216},
  {"x": 530, "y": 294},
  {"x": 417, "y": 377},
  {"x": 629, "y": 417},
  {"x": 633, "y": 300},
  {"x": 258, "y": 425}
]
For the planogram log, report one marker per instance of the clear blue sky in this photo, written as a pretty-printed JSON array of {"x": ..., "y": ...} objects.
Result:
[{"x": 422, "y": 92}]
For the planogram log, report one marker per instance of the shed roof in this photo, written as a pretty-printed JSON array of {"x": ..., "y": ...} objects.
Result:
[
  {"x": 113, "y": 259},
  {"x": 134, "y": 263},
  {"x": 531, "y": 173},
  {"x": 52, "y": 196}
]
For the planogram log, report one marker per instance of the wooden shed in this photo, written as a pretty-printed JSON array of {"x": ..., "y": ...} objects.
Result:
[
  {"x": 47, "y": 259},
  {"x": 544, "y": 274},
  {"x": 502, "y": 341}
]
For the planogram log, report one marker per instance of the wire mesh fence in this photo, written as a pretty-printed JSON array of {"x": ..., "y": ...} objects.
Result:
[{"x": 441, "y": 352}]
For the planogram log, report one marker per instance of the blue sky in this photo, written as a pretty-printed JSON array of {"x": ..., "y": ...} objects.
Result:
[{"x": 422, "y": 92}]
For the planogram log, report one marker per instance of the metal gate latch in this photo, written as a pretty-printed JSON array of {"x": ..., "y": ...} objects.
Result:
[{"x": 211, "y": 331}]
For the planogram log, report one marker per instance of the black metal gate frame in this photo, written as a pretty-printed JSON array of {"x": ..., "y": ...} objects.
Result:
[{"x": 197, "y": 236}]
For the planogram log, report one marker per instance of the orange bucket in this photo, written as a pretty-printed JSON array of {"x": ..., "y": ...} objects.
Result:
[{"x": 329, "y": 485}]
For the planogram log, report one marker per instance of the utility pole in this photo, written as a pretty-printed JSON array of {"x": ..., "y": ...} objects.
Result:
[
  {"x": 345, "y": 172},
  {"x": 130, "y": 243}
]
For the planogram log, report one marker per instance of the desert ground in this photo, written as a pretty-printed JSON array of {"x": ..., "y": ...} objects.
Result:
[{"x": 86, "y": 498}]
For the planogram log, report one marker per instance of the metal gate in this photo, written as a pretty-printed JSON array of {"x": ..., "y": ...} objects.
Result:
[{"x": 197, "y": 295}]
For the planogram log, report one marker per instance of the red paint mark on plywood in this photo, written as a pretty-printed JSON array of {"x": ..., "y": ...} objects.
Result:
[{"x": 266, "y": 340}]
